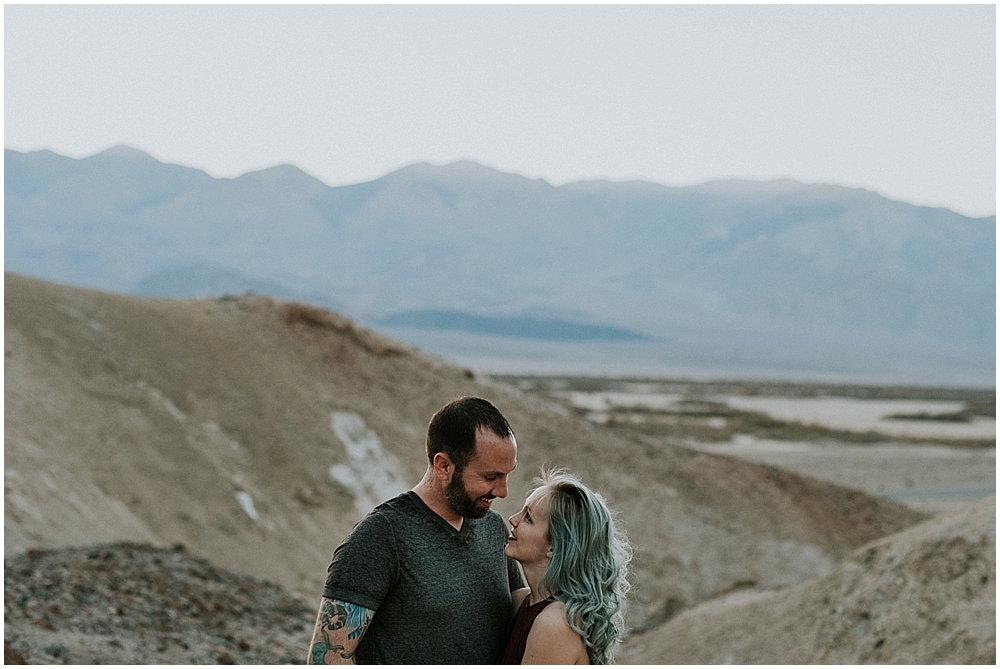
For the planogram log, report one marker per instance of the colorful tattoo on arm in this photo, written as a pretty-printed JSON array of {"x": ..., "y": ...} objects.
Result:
[
  {"x": 358, "y": 619},
  {"x": 320, "y": 649},
  {"x": 336, "y": 615}
]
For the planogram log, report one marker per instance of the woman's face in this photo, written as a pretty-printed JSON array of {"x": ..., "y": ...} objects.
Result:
[{"x": 528, "y": 542}]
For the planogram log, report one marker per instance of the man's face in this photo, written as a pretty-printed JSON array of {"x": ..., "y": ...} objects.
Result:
[{"x": 471, "y": 492}]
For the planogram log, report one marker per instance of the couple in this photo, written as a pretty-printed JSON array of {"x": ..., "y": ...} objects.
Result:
[{"x": 431, "y": 576}]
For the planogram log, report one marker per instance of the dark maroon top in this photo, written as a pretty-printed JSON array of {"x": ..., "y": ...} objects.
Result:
[{"x": 523, "y": 620}]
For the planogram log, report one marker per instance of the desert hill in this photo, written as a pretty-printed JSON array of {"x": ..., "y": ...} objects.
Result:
[
  {"x": 926, "y": 595},
  {"x": 256, "y": 432}
]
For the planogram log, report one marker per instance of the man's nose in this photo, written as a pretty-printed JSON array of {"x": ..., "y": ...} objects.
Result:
[{"x": 501, "y": 488}]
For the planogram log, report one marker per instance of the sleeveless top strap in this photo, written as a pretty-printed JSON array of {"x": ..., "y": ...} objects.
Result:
[{"x": 523, "y": 620}]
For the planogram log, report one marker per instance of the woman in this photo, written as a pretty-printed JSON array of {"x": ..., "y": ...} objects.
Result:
[{"x": 575, "y": 561}]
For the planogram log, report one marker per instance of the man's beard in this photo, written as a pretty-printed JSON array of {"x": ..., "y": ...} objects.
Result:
[{"x": 459, "y": 500}]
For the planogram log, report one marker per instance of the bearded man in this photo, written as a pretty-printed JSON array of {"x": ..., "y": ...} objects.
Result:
[{"x": 423, "y": 579}]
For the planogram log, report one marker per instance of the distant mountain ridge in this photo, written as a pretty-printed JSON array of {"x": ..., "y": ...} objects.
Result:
[
  {"x": 550, "y": 329},
  {"x": 782, "y": 270}
]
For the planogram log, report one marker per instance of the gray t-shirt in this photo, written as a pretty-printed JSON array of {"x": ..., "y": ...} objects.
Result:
[{"x": 440, "y": 595}]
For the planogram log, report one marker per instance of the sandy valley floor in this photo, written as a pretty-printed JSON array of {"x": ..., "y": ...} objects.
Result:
[
  {"x": 927, "y": 477},
  {"x": 928, "y": 448}
]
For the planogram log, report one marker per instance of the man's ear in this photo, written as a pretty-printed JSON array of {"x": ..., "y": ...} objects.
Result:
[{"x": 444, "y": 468}]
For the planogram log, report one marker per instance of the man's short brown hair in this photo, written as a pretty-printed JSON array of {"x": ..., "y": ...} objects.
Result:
[{"x": 453, "y": 429}]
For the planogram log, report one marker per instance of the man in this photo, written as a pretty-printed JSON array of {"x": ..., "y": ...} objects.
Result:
[{"x": 423, "y": 579}]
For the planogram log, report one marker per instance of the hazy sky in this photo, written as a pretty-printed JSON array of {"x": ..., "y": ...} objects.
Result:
[{"x": 895, "y": 98}]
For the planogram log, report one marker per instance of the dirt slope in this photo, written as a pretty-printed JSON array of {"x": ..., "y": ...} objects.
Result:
[
  {"x": 926, "y": 595},
  {"x": 257, "y": 433}
]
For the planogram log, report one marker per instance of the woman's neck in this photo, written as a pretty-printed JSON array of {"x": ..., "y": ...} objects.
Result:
[{"x": 533, "y": 575}]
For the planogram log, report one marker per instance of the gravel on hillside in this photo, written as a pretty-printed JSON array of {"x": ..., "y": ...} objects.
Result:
[{"x": 129, "y": 603}]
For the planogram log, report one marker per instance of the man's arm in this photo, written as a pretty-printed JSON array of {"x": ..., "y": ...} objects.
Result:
[{"x": 339, "y": 626}]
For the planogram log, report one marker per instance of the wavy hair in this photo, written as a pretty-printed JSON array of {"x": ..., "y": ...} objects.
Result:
[{"x": 589, "y": 567}]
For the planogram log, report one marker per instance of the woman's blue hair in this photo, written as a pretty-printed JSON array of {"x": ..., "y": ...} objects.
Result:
[{"x": 589, "y": 567}]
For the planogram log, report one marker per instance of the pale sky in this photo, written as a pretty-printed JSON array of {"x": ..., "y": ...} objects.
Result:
[{"x": 899, "y": 99}]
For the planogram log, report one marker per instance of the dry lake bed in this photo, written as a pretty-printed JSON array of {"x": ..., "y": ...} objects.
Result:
[{"x": 926, "y": 447}]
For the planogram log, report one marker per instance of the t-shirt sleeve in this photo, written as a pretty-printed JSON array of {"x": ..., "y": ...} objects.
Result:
[
  {"x": 364, "y": 566},
  {"x": 514, "y": 577}
]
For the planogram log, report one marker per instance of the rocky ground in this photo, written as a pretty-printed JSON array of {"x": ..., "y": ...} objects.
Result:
[{"x": 131, "y": 603}]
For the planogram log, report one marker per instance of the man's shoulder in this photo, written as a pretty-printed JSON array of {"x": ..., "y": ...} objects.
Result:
[
  {"x": 386, "y": 515},
  {"x": 401, "y": 503}
]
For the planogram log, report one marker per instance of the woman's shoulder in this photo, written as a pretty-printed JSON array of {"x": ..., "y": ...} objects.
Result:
[
  {"x": 553, "y": 618},
  {"x": 555, "y": 613},
  {"x": 552, "y": 640}
]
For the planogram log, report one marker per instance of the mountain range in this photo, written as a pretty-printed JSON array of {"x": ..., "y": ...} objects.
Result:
[{"x": 486, "y": 267}]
